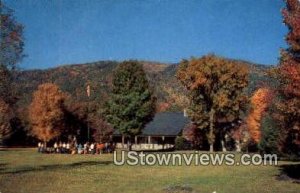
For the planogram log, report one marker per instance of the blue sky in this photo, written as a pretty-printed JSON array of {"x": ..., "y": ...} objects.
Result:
[{"x": 61, "y": 32}]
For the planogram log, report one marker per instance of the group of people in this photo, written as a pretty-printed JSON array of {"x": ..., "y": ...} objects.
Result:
[{"x": 74, "y": 148}]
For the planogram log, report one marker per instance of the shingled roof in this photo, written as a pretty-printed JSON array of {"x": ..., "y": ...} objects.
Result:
[{"x": 166, "y": 124}]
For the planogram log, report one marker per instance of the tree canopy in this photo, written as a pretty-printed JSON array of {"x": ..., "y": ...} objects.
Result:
[
  {"x": 11, "y": 38},
  {"x": 288, "y": 105},
  {"x": 131, "y": 104},
  {"x": 216, "y": 91},
  {"x": 259, "y": 105},
  {"x": 46, "y": 112}
]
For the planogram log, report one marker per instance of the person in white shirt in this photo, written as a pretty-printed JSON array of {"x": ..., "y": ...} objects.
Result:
[
  {"x": 92, "y": 148},
  {"x": 55, "y": 147},
  {"x": 42, "y": 148},
  {"x": 39, "y": 146},
  {"x": 85, "y": 148},
  {"x": 68, "y": 148}
]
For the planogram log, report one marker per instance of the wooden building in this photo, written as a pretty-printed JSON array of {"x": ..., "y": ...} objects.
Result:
[{"x": 158, "y": 134}]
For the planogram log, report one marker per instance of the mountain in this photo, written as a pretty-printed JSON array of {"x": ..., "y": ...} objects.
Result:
[{"x": 73, "y": 79}]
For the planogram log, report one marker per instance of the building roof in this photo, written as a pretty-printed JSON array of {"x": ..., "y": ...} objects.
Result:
[{"x": 165, "y": 123}]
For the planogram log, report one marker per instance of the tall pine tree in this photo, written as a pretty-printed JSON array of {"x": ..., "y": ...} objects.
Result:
[
  {"x": 269, "y": 135},
  {"x": 132, "y": 104}
]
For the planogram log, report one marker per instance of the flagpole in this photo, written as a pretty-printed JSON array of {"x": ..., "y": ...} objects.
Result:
[
  {"x": 88, "y": 90},
  {"x": 88, "y": 124}
]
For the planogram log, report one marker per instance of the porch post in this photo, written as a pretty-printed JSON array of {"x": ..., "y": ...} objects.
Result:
[{"x": 123, "y": 141}]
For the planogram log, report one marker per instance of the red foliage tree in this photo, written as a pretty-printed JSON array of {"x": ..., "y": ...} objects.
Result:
[
  {"x": 102, "y": 131},
  {"x": 194, "y": 135},
  {"x": 289, "y": 71}
]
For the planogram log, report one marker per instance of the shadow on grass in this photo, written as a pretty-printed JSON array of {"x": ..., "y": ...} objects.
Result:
[
  {"x": 156, "y": 151},
  {"x": 178, "y": 189},
  {"x": 289, "y": 172},
  {"x": 9, "y": 149},
  {"x": 4, "y": 149},
  {"x": 54, "y": 167},
  {"x": 2, "y": 166}
]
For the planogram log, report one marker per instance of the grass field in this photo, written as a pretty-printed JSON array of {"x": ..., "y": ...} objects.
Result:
[{"x": 24, "y": 170}]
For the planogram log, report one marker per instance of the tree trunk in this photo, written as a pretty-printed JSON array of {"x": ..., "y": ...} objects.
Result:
[
  {"x": 223, "y": 141},
  {"x": 223, "y": 145},
  {"x": 238, "y": 145},
  {"x": 123, "y": 141},
  {"x": 44, "y": 147},
  {"x": 211, "y": 136}
]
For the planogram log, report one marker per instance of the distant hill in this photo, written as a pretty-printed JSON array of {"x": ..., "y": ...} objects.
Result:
[{"x": 74, "y": 78}]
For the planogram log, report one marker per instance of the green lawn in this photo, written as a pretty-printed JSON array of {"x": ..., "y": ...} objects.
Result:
[{"x": 24, "y": 170}]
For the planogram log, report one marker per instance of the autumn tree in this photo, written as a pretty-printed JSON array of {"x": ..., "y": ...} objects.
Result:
[
  {"x": 102, "y": 131},
  {"x": 241, "y": 137},
  {"x": 194, "y": 135},
  {"x": 259, "y": 104},
  {"x": 46, "y": 112},
  {"x": 82, "y": 115},
  {"x": 11, "y": 50},
  {"x": 131, "y": 103},
  {"x": 288, "y": 105},
  {"x": 216, "y": 91},
  {"x": 5, "y": 85},
  {"x": 176, "y": 97},
  {"x": 5, "y": 121},
  {"x": 11, "y": 38},
  {"x": 75, "y": 115}
]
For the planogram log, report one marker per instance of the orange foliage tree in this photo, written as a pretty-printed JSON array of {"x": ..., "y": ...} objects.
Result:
[
  {"x": 46, "y": 112},
  {"x": 288, "y": 115},
  {"x": 259, "y": 104},
  {"x": 215, "y": 88}
]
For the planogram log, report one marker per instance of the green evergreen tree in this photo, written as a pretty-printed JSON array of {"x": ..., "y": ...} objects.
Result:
[
  {"x": 131, "y": 105},
  {"x": 269, "y": 136}
]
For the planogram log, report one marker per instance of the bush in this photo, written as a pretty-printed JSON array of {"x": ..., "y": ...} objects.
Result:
[{"x": 181, "y": 143}]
